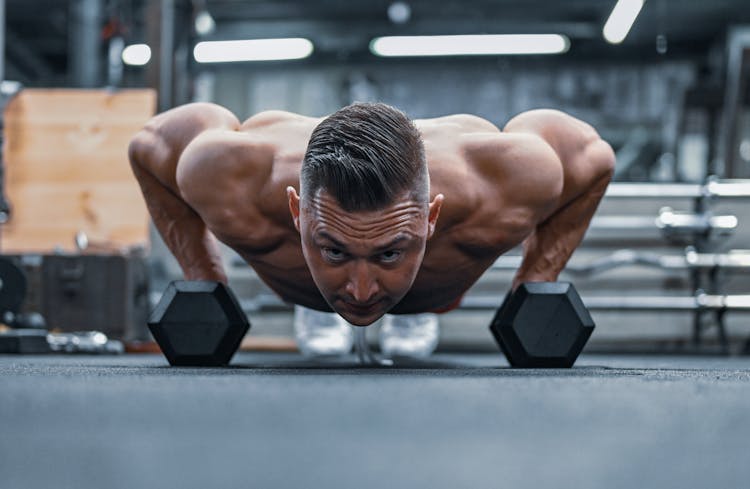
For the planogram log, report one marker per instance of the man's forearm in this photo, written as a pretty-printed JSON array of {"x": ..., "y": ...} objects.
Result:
[
  {"x": 548, "y": 249},
  {"x": 154, "y": 153},
  {"x": 588, "y": 164},
  {"x": 182, "y": 230}
]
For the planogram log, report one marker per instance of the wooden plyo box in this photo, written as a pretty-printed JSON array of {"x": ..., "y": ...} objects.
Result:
[{"x": 67, "y": 169}]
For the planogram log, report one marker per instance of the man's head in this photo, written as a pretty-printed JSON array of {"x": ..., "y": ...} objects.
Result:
[{"x": 363, "y": 211}]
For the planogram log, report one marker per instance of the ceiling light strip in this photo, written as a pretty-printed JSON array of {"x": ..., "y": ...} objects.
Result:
[
  {"x": 252, "y": 50},
  {"x": 621, "y": 20},
  {"x": 468, "y": 45}
]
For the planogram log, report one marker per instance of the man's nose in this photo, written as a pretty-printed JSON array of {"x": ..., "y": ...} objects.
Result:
[{"x": 362, "y": 285}]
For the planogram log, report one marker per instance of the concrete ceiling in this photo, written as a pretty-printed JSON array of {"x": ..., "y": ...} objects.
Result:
[
  {"x": 686, "y": 24},
  {"x": 38, "y": 31}
]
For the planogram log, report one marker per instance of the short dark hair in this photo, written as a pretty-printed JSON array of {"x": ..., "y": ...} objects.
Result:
[{"x": 366, "y": 155}]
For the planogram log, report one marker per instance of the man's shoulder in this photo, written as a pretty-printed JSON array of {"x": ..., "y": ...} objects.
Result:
[
  {"x": 503, "y": 155},
  {"x": 480, "y": 141},
  {"x": 268, "y": 118},
  {"x": 519, "y": 176},
  {"x": 229, "y": 150},
  {"x": 456, "y": 124}
]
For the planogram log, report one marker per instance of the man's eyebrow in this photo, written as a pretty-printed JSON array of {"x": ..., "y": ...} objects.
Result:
[
  {"x": 398, "y": 239},
  {"x": 325, "y": 235},
  {"x": 401, "y": 237}
]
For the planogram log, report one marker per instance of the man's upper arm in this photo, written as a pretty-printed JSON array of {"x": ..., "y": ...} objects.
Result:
[{"x": 219, "y": 175}]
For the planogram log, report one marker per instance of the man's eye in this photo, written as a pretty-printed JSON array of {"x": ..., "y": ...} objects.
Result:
[
  {"x": 334, "y": 254},
  {"x": 390, "y": 256}
]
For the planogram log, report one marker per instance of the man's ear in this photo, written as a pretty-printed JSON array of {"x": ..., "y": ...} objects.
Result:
[
  {"x": 434, "y": 212},
  {"x": 293, "y": 205}
]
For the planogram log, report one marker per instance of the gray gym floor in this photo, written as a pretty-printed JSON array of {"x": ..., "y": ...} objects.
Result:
[{"x": 457, "y": 421}]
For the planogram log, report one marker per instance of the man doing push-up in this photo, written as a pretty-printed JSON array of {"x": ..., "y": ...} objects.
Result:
[{"x": 366, "y": 212}]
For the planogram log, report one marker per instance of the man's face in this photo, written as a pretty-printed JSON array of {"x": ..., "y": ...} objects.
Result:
[{"x": 363, "y": 263}]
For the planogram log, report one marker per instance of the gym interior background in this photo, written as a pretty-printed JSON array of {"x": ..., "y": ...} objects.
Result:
[
  {"x": 665, "y": 267},
  {"x": 671, "y": 98}
]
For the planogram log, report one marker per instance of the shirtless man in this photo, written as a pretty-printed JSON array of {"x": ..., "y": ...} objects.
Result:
[{"x": 365, "y": 212}]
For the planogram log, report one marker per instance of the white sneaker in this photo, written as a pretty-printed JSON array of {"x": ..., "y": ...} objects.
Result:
[
  {"x": 321, "y": 333},
  {"x": 409, "y": 335}
]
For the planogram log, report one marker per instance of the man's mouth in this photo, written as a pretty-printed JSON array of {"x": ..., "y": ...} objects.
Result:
[{"x": 360, "y": 309}]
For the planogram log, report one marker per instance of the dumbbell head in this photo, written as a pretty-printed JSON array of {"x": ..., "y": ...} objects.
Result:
[
  {"x": 198, "y": 323},
  {"x": 542, "y": 324}
]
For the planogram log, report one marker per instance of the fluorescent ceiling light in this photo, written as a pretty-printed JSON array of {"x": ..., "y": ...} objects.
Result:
[
  {"x": 469, "y": 45},
  {"x": 252, "y": 50},
  {"x": 399, "y": 12},
  {"x": 621, "y": 20},
  {"x": 204, "y": 23},
  {"x": 136, "y": 54}
]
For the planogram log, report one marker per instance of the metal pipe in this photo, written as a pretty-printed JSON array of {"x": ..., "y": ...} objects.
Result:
[
  {"x": 736, "y": 188},
  {"x": 738, "y": 40},
  {"x": 2, "y": 40},
  {"x": 670, "y": 222},
  {"x": 362, "y": 349},
  {"x": 84, "y": 42},
  {"x": 734, "y": 260},
  {"x": 654, "y": 190},
  {"x": 166, "y": 53},
  {"x": 728, "y": 188},
  {"x": 623, "y": 223},
  {"x": 700, "y": 302}
]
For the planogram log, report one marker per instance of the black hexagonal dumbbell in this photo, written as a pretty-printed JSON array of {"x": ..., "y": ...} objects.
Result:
[
  {"x": 542, "y": 324},
  {"x": 198, "y": 323}
]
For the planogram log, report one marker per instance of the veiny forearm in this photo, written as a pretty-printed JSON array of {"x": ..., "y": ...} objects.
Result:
[
  {"x": 154, "y": 153},
  {"x": 587, "y": 163},
  {"x": 548, "y": 249},
  {"x": 182, "y": 229}
]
